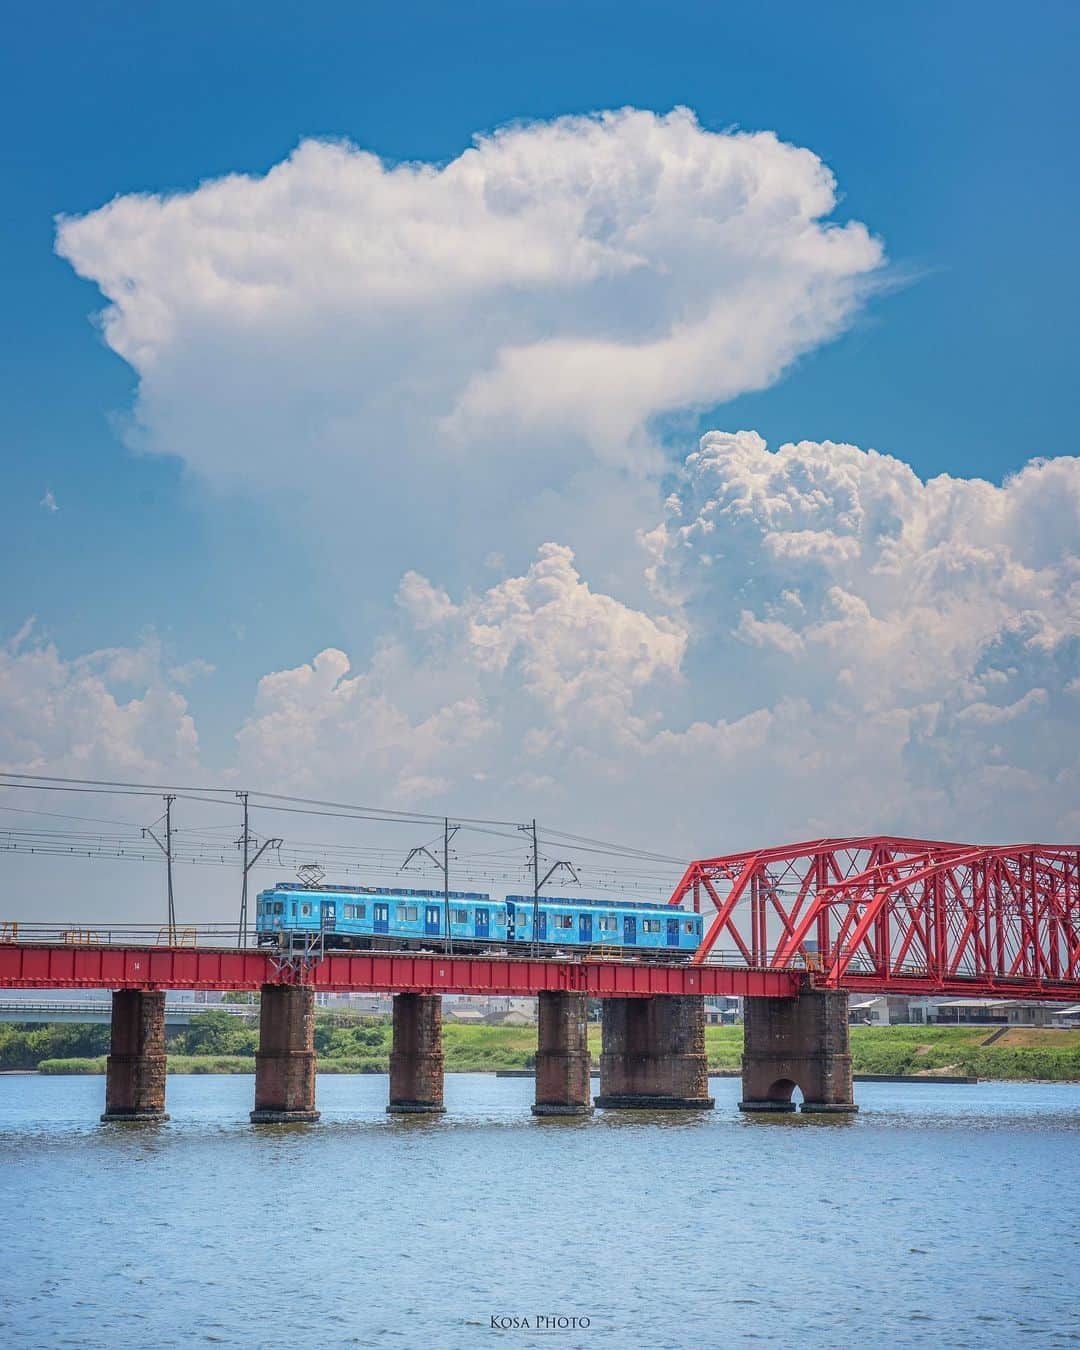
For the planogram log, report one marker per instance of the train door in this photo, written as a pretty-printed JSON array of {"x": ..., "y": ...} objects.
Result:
[
  {"x": 629, "y": 930},
  {"x": 672, "y": 932},
  {"x": 382, "y": 918},
  {"x": 482, "y": 919},
  {"x": 328, "y": 916},
  {"x": 542, "y": 927},
  {"x": 431, "y": 920},
  {"x": 585, "y": 928}
]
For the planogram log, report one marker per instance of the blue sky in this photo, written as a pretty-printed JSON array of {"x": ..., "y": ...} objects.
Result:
[{"x": 950, "y": 128}]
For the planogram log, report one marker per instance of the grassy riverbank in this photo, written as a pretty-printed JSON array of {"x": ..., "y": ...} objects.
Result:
[{"x": 364, "y": 1047}]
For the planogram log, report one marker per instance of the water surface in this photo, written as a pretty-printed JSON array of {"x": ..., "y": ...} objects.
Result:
[{"x": 939, "y": 1216}]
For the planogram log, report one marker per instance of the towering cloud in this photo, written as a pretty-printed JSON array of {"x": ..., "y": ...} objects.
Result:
[
  {"x": 440, "y": 363},
  {"x": 835, "y": 646},
  {"x": 470, "y": 335}
]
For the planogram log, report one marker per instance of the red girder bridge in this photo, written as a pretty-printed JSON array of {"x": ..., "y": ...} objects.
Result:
[{"x": 800, "y": 925}]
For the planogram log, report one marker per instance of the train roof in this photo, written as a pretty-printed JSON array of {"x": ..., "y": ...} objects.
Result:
[
  {"x": 330, "y": 889},
  {"x": 566, "y": 901},
  {"x": 588, "y": 902}
]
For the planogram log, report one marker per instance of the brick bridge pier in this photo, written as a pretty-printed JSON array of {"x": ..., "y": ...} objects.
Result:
[{"x": 652, "y": 1055}]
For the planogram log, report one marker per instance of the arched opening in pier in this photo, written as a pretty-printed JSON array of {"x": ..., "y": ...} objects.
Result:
[{"x": 784, "y": 1090}]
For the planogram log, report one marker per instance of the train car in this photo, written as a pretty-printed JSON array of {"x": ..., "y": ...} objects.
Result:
[
  {"x": 366, "y": 917},
  {"x": 628, "y": 926},
  {"x": 369, "y": 917}
]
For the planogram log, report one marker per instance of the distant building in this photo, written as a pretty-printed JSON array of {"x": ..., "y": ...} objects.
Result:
[
  {"x": 879, "y": 1010},
  {"x": 721, "y": 1011},
  {"x": 1022, "y": 1012},
  {"x": 1015, "y": 1012},
  {"x": 958, "y": 1011}
]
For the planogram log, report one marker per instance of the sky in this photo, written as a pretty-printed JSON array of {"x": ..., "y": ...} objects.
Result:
[{"x": 656, "y": 419}]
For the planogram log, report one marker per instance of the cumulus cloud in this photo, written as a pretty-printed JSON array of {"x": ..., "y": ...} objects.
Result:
[
  {"x": 498, "y": 329},
  {"x": 537, "y": 666},
  {"x": 320, "y": 725},
  {"x": 931, "y": 627},
  {"x": 49, "y": 501},
  {"x": 834, "y": 645},
  {"x": 111, "y": 712}
]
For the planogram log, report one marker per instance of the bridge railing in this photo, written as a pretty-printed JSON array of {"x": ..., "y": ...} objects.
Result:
[
  {"x": 118, "y": 935},
  {"x": 224, "y": 935}
]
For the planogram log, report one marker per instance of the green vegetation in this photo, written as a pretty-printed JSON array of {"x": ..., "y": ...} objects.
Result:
[
  {"x": 349, "y": 1043},
  {"x": 62, "y": 1066},
  {"x": 1022, "y": 1053},
  {"x": 24, "y": 1047}
]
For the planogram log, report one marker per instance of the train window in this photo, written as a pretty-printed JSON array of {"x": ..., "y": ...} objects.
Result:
[
  {"x": 564, "y": 921},
  {"x": 688, "y": 927},
  {"x": 521, "y": 916},
  {"x": 407, "y": 912},
  {"x": 305, "y": 911},
  {"x": 459, "y": 916},
  {"x": 650, "y": 925},
  {"x": 279, "y": 906},
  {"x": 607, "y": 925},
  {"x": 361, "y": 911},
  {"x": 500, "y": 918}
]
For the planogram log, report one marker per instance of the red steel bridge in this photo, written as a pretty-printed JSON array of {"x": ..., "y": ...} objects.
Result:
[
  {"x": 793, "y": 930},
  {"x": 873, "y": 913},
  {"x": 899, "y": 915}
]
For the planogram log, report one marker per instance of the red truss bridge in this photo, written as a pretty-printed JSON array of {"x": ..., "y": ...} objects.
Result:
[
  {"x": 877, "y": 913},
  {"x": 898, "y": 915}
]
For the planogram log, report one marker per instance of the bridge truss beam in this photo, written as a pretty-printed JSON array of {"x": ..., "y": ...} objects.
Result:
[{"x": 901, "y": 915}]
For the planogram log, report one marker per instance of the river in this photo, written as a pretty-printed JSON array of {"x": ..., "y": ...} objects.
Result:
[{"x": 939, "y": 1216}]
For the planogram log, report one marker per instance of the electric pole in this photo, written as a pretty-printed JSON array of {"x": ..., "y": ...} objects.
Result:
[
  {"x": 536, "y": 893},
  {"x": 248, "y": 862},
  {"x": 446, "y": 884},
  {"x": 444, "y": 867},
  {"x": 166, "y": 848},
  {"x": 540, "y": 882}
]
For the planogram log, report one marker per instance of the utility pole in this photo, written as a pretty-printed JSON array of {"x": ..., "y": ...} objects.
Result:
[
  {"x": 444, "y": 866},
  {"x": 540, "y": 882},
  {"x": 536, "y": 893},
  {"x": 446, "y": 884},
  {"x": 166, "y": 848},
  {"x": 244, "y": 843}
]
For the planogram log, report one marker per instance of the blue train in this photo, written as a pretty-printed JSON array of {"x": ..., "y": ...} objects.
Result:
[{"x": 364, "y": 918}]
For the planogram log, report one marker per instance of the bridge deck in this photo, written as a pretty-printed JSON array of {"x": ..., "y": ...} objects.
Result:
[{"x": 45, "y": 966}]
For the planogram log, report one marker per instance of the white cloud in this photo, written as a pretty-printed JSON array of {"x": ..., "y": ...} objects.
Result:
[
  {"x": 49, "y": 501},
  {"x": 841, "y": 647},
  {"x": 111, "y": 712},
  {"x": 538, "y": 665},
  {"x": 833, "y": 646},
  {"x": 914, "y": 670},
  {"x": 470, "y": 353},
  {"x": 931, "y": 628},
  {"x": 470, "y": 359},
  {"x": 319, "y": 725}
]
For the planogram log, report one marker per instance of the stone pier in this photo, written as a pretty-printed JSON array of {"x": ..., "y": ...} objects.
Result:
[
  {"x": 285, "y": 1060},
  {"x": 794, "y": 1043},
  {"x": 653, "y": 1054},
  {"x": 416, "y": 1058},
  {"x": 563, "y": 1084},
  {"x": 135, "y": 1073}
]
